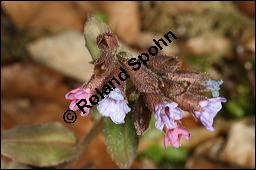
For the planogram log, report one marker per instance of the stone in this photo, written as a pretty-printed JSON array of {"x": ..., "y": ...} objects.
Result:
[{"x": 64, "y": 52}]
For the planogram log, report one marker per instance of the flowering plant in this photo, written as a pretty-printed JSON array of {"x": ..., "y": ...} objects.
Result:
[{"x": 157, "y": 86}]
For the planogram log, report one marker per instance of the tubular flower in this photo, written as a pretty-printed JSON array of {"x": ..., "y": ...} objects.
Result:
[
  {"x": 174, "y": 136},
  {"x": 211, "y": 108},
  {"x": 76, "y": 95},
  {"x": 166, "y": 113},
  {"x": 114, "y": 106},
  {"x": 213, "y": 86}
]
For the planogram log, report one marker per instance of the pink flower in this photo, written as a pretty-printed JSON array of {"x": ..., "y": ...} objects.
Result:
[
  {"x": 211, "y": 108},
  {"x": 174, "y": 136},
  {"x": 76, "y": 95},
  {"x": 114, "y": 106},
  {"x": 166, "y": 113}
]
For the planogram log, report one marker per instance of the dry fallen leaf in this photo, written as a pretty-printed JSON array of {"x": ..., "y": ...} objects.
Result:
[
  {"x": 206, "y": 45},
  {"x": 64, "y": 52},
  {"x": 54, "y": 15},
  {"x": 30, "y": 80},
  {"x": 33, "y": 94},
  {"x": 241, "y": 141}
]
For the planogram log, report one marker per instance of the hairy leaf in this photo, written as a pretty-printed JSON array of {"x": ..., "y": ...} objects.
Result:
[
  {"x": 93, "y": 28},
  {"x": 141, "y": 116},
  {"x": 113, "y": 79},
  {"x": 104, "y": 65},
  {"x": 172, "y": 88},
  {"x": 107, "y": 41},
  {"x": 39, "y": 145},
  {"x": 121, "y": 141},
  {"x": 189, "y": 101},
  {"x": 95, "y": 82},
  {"x": 145, "y": 80},
  {"x": 194, "y": 78},
  {"x": 163, "y": 63},
  {"x": 189, "y": 80},
  {"x": 154, "y": 98}
]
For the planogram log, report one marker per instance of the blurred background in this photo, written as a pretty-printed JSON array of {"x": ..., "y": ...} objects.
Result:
[{"x": 43, "y": 56}]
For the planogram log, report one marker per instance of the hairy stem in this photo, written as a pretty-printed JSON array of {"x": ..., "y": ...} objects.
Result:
[
  {"x": 85, "y": 142},
  {"x": 96, "y": 129}
]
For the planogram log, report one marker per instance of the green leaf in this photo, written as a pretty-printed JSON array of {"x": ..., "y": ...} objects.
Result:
[
  {"x": 176, "y": 154},
  {"x": 122, "y": 141},
  {"x": 235, "y": 109},
  {"x": 39, "y": 145},
  {"x": 155, "y": 153},
  {"x": 101, "y": 16},
  {"x": 158, "y": 154},
  {"x": 93, "y": 28}
]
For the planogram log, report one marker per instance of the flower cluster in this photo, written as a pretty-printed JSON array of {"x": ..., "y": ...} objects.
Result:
[{"x": 159, "y": 86}]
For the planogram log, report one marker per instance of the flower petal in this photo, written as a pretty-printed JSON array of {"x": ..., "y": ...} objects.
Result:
[
  {"x": 116, "y": 94},
  {"x": 86, "y": 110},
  {"x": 114, "y": 106},
  {"x": 174, "y": 136},
  {"x": 71, "y": 95},
  {"x": 76, "y": 95},
  {"x": 213, "y": 86},
  {"x": 211, "y": 108},
  {"x": 166, "y": 113},
  {"x": 73, "y": 105}
]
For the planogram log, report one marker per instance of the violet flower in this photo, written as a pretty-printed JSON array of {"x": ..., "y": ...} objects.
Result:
[
  {"x": 166, "y": 113},
  {"x": 76, "y": 95},
  {"x": 211, "y": 108},
  {"x": 114, "y": 106},
  {"x": 174, "y": 136}
]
